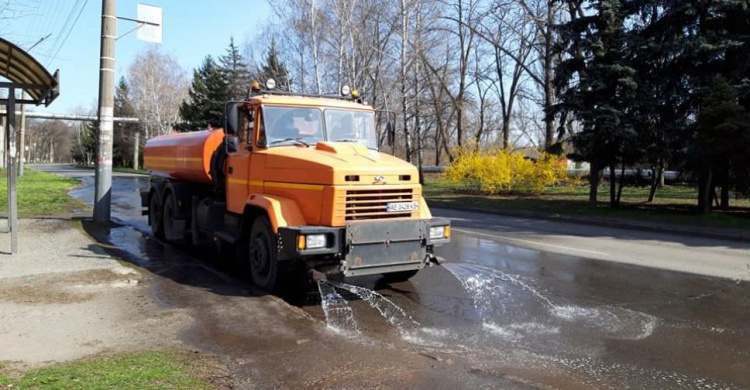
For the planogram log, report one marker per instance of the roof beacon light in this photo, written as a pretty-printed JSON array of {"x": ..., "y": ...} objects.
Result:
[
  {"x": 355, "y": 93},
  {"x": 345, "y": 90},
  {"x": 270, "y": 83},
  {"x": 255, "y": 86}
]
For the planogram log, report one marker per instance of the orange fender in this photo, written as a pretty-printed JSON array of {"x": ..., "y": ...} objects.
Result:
[{"x": 281, "y": 211}]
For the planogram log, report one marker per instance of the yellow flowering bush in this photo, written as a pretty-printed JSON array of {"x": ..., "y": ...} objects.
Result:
[{"x": 502, "y": 171}]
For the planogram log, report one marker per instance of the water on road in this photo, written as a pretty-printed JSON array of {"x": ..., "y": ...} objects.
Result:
[{"x": 536, "y": 318}]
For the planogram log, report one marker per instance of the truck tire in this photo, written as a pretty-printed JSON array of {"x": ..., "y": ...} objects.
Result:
[
  {"x": 155, "y": 217},
  {"x": 263, "y": 255},
  {"x": 168, "y": 213},
  {"x": 395, "y": 277}
]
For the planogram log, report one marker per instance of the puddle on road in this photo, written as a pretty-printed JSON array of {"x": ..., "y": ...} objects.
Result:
[
  {"x": 547, "y": 337},
  {"x": 496, "y": 297},
  {"x": 395, "y": 315},
  {"x": 506, "y": 323},
  {"x": 505, "y": 308}
]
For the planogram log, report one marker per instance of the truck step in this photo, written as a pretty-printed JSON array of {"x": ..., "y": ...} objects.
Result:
[{"x": 228, "y": 237}]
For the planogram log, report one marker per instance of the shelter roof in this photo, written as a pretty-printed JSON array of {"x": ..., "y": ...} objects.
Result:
[{"x": 26, "y": 73}]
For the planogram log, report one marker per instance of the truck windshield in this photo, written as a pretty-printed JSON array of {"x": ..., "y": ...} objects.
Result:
[
  {"x": 284, "y": 126},
  {"x": 351, "y": 126},
  {"x": 292, "y": 125}
]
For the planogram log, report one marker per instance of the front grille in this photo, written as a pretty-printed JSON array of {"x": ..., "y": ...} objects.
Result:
[{"x": 372, "y": 203}]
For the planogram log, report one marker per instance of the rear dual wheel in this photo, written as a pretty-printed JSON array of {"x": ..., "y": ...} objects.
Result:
[
  {"x": 155, "y": 215},
  {"x": 169, "y": 212}
]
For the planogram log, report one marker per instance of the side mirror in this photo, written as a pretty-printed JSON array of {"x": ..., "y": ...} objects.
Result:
[
  {"x": 390, "y": 134},
  {"x": 231, "y": 119},
  {"x": 231, "y": 143}
]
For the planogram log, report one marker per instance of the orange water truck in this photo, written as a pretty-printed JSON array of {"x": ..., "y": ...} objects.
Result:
[{"x": 293, "y": 182}]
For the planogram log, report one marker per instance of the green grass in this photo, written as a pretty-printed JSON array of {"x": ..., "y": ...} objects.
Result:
[
  {"x": 140, "y": 370},
  {"x": 131, "y": 170},
  {"x": 141, "y": 170},
  {"x": 41, "y": 193},
  {"x": 673, "y": 204}
]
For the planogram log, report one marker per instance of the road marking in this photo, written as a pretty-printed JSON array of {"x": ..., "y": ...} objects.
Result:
[{"x": 528, "y": 242}]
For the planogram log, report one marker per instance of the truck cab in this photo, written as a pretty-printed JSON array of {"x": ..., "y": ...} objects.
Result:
[{"x": 295, "y": 179}]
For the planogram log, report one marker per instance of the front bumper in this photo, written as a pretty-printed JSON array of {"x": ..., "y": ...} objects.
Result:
[{"x": 367, "y": 247}]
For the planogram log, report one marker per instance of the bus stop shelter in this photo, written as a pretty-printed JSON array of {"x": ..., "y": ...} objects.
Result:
[{"x": 23, "y": 74}]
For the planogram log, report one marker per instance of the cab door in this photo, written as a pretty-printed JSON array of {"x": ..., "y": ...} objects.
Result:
[
  {"x": 238, "y": 164},
  {"x": 257, "y": 142}
]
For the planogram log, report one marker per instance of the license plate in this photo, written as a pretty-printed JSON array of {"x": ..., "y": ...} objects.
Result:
[{"x": 402, "y": 206}]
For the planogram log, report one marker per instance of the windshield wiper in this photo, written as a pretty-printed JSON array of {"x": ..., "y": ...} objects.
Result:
[
  {"x": 346, "y": 140},
  {"x": 298, "y": 140}
]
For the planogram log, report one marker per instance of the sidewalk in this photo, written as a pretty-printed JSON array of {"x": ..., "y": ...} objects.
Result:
[
  {"x": 62, "y": 297},
  {"x": 614, "y": 222}
]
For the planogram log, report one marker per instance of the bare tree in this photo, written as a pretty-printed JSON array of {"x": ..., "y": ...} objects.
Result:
[
  {"x": 544, "y": 15},
  {"x": 158, "y": 84}
]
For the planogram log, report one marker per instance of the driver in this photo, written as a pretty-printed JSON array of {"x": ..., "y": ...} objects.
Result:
[
  {"x": 344, "y": 129},
  {"x": 286, "y": 128}
]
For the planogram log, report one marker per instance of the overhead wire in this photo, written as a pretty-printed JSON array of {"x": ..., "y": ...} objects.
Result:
[
  {"x": 53, "y": 24},
  {"x": 34, "y": 23},
  {"x": 46, "y": 21},
  {"x": 72, "y": 27},
  {"x": 65, "y": 25}
]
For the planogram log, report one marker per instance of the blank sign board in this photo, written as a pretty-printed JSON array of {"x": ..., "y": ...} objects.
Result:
[{"x": 151, "y": 30}]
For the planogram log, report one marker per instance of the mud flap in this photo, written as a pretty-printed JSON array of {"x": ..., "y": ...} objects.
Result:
[
  {"x": 177, "y": 231},
  {"x": 385, "y": 246}
]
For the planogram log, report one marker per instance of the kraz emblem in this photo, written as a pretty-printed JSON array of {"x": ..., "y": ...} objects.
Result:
[{"x": 379, "y": 178}]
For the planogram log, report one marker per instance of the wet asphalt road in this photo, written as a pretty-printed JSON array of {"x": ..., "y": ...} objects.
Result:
[{"x": 521, "y": 304}]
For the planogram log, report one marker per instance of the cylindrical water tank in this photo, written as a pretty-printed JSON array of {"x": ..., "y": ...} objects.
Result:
[{"x": 183, "y": 156}]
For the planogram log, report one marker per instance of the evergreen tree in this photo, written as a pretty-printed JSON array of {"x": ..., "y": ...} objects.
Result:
[
  {"x": 124, "y": 133},
  {"x": 723, "y": 141},
  {"x": 661, "y": 107},
  {"x": 274, "y": 68},
  {"x": 596, "y": 85},
  {"x": 707, "y": 44},
  {"x": 208, "y": 93},
  {"x": 236, "y": 72}
]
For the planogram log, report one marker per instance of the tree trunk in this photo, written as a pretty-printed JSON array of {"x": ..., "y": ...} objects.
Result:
[
  {"x": 593, "y": 183},
  {"x": 136, "y": 153},
  {"x": 662, "y": 176},
  {"x": 549, "y": 91},
  {"x": 437, "y": 145},
  {"x": 705, "y": 191},
  {"x": 506, "y": 133},
  {"x": 725, "y": 190},
  {"x": 612, "y": 185},
  {"x": 404, "y": 101},
  {"x": 417, "y": 122},
  {"x": 655, "y": 179},
  {"x": 621, "y": 184}
]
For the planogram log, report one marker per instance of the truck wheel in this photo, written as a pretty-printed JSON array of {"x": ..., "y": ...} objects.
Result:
[
  {"x": 155, "y": 216},
  {"x": 402, "y": 276},
  {"x": 262, "y": 253},
  {"x": 168, "y": 221}
]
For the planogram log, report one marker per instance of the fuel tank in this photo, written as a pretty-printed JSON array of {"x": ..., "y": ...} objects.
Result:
[{"x": 183, "y": 156}]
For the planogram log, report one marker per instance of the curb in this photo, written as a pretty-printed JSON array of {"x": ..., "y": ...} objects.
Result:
[{"x": 742, "y": 236}]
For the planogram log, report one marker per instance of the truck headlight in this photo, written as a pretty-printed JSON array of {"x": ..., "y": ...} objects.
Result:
[
  {"x": 315, "y": 241},
  {"x": 437, "y": 232}
]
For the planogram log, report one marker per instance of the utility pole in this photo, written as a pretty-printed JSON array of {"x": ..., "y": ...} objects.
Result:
[
  {"x": 136, "y": 152},
  {"x": 21, "y": 153},
  {"x": 103, "y": 192}
]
